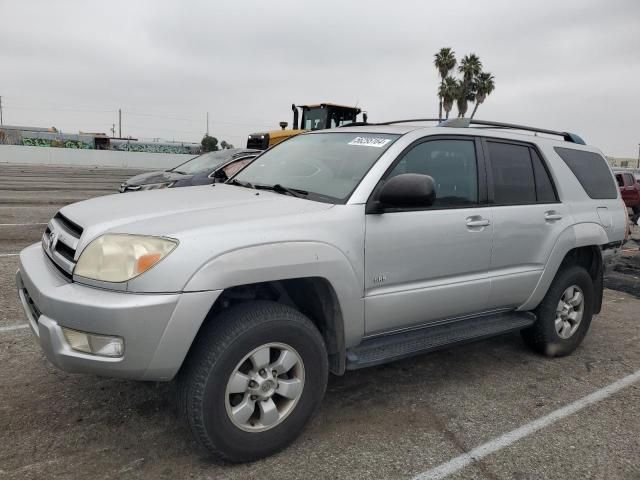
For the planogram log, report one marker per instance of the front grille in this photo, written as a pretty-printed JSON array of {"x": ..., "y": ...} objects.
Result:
[
  {"x": 65, "y": 251},
  {"x": 60, "y": 241},
  {"x": 69, "y": 225}
]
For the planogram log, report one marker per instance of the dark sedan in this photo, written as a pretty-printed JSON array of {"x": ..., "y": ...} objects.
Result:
[{"x": 202, "y": 170}]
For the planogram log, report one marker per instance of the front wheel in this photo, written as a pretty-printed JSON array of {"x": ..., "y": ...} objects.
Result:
[
  {"x": 564, "y": 315},
  {"x": 255, "y": 377}
]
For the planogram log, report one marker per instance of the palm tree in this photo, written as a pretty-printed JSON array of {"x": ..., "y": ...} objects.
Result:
[
  {"x": 484, "y": 85},
  {"x": 445, "y": 61},
  {"x": 448, "y": 92},
  {"x": 464, "y": 95},
  {"x": 470, "y": 67}
]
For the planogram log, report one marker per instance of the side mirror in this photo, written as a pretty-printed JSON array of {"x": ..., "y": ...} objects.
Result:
[
  {"x": 409, "y": 190},
  {"x": 220, "y": 176}
]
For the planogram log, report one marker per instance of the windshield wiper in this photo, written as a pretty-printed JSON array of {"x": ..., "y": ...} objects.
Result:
[
  {"x": 294, "y": 192},
  {"x": 180, "y": 172},
  {"x": 240, "y": 183}
]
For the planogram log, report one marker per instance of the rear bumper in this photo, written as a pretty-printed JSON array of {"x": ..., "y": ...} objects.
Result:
[{"x": 157, "y": 329}]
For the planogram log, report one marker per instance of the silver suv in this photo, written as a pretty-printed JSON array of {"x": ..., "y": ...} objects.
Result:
[{"x": 334, "y": 250}]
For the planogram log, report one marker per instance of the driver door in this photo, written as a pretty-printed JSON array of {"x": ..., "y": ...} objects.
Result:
[{"x": 425, "y": 265}]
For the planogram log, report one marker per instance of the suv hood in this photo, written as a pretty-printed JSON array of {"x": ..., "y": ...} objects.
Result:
[{"x": 173, "y": 211}]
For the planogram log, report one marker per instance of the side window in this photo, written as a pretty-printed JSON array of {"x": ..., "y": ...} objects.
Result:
[
  {"x": 591, "y": 170},
  {"x": 620, "y": 180},
  {"x": 629, "y": 179},
  {"x": 451, "y": 163},
  {"x": 544, "y": 187},
  {"x": 513, "y": 179},
  {"x": 234, "y": 167}
]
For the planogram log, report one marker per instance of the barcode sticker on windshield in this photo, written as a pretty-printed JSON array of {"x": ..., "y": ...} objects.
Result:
[{"x": 369, "y": 142}]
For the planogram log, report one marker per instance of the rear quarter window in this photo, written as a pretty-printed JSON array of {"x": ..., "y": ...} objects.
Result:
[{"x": 592, "y": 172}]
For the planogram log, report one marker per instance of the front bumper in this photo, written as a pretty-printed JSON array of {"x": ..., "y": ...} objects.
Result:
[{"x": 157, "y": 329}]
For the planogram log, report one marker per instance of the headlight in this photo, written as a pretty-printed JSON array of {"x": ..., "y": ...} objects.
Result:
[
  {"x": 118, "y": 257},
  {"x": 156, "y": 186}
]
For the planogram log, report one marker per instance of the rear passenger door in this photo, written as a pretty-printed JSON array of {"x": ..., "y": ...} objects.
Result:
[{"x": 528, "y": 219}]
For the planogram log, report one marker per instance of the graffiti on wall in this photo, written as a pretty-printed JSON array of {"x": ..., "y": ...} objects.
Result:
[
  {"x": 46, "y": 142},
  {"x": 150, "y": 147},
  {"x": 86, "y": 141}
]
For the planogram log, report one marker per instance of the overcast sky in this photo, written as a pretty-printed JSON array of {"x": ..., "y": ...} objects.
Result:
[{"x": 569, "y": 65}]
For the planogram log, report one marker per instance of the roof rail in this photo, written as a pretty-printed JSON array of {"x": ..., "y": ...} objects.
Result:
[
  {"x": 467, "y": 122},
  {"x": 410, "y": 120}
]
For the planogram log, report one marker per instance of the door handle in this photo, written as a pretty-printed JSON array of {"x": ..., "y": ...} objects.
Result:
[
  {"x": 552, "y": 216},
  {"x": 478, "y": 222}
]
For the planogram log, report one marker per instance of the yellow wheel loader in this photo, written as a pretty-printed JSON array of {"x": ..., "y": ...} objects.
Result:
[{"x": 314, "y": 117}]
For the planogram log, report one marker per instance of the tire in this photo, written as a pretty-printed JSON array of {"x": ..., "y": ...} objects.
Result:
[
  {"x": 220, "y": 351},
  {"x": 543, "y": 336}
]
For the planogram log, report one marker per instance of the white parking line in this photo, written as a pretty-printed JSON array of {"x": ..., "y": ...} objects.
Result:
[
  {"x": 14, "y": 327},
  {"x": 456, "y": 464},
  {"x": 9, "y": 254},
  {"x": 20, "y": 224}
]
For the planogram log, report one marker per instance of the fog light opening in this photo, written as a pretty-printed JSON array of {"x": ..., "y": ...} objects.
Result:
[{"x": 102, "y": 345}]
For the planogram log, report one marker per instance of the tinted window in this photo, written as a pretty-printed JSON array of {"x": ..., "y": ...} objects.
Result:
[
  {"x": 591, "y": 170},
  {"x": 620, "y": 180},
  {"x": 513, "y": 180},
  {"x": 451, "y": 163},
  {"x": 544, "y": 188}
]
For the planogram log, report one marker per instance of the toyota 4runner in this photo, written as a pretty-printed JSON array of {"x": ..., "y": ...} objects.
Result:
[{"x": 334, "y": 250}]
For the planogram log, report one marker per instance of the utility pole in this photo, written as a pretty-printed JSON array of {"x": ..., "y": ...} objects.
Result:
[
  {"x": 637, "y": 166},
  {"x": 0, "y": 109},
  {"x": 119, "y": 123},
  {"x": 207, "y": 123}
]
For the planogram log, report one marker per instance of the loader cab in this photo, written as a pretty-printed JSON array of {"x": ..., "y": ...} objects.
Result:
[
  {"x": 305, "y": 118},
  {"x": 325, "y": 115}
]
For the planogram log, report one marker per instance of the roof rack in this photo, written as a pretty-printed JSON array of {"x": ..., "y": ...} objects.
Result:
[{"x": 468, "y": 122}]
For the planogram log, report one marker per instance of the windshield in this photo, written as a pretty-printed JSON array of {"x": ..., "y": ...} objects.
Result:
[
  {"x": 314, "y": 119},
  {"x": 327, "y": 166},
  {"x": 204, "y": 162}
]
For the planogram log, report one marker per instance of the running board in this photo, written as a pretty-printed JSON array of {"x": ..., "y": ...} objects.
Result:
[{"x": 406, "y": 344}]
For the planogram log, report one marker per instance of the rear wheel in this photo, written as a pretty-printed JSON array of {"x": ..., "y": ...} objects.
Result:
[
  {"x": 255, "y": 377},
  {"x": 564, "y": 315}
]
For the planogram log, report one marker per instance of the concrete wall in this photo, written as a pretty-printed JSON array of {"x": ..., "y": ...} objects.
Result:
[{"x": 88, "y": 158}]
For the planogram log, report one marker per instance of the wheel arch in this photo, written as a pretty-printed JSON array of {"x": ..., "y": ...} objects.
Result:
[
  {"x": 314, "y": 297},
  {"x": 579, "y": 244}
]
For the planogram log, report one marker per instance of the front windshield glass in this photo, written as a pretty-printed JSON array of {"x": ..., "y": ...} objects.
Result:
[
  {"x": 314, "y": 119},
  {"x": 204, "y": 162},
  {"x": 328, "y": 166}
]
